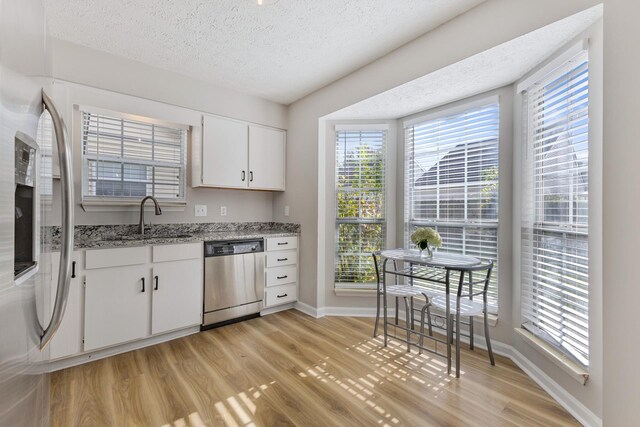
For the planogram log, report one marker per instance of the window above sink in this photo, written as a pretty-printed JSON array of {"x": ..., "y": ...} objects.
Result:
[{"x": 126, "y": 157}]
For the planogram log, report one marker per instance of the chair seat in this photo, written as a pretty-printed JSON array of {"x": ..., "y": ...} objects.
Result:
[
  {"x": 406, "y": 291},
  {"x": 467, "y": 307}
]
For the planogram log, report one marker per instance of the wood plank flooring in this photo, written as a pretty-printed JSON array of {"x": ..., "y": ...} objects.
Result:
[{"x": 291, "y": 369}]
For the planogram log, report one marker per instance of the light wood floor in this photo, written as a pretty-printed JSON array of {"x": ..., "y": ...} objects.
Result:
[{"x": 291, "y": 369}]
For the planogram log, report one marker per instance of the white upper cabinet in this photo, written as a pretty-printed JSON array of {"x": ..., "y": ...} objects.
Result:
[
  {"x": 266, "y": 158},
  {"x": 224, "y": 152},
  {"x": 237, "y": 154}
]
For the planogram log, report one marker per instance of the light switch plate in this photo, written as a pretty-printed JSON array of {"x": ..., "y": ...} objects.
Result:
[
  {"x": 286, "y": 210},
  {"x": 223, "y": 211},
  {"x": 201, "y": 210}
]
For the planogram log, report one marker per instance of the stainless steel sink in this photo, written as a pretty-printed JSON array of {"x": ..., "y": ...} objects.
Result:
[{"x": 146, "y": 237}]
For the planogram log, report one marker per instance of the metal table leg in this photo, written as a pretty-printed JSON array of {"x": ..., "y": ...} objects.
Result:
[
  {"x": 449, "y": 323},
  {"x": 384, "y": 297}
]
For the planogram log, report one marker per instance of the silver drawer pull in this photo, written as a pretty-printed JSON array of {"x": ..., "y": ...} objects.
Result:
[
  {"x": 281, "y": 296},
  {"x": 282, "y": 277},
  {"x": 283, "y": 259},
  {"x": 282, "y": 243}
]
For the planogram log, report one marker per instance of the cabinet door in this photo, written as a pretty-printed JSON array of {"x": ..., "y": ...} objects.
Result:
[
  {"x": 116, "y": 305},
  {"x": 68, "y": 340},
  {"x": 266, "y": 158},
  {"x": 177, "y": 298},
  {"x": 224, "y": 153}
]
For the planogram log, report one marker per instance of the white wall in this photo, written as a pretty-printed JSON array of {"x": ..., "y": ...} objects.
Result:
[
  {"x": 111, "y": 82},
  {"x": 621, "y": 210}
]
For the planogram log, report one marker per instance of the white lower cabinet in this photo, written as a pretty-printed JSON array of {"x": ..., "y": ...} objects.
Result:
[
  {"x": 116, "y": 306},
  {"x": 176, "y": 295},
  {"x": 281, "y": 272},
  {"x": 68, "y": 340},
  {"x": 129, "y": 294},
  {"x": 282, "y": 294}
]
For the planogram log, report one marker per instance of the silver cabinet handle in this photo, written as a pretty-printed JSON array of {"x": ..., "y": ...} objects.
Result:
[
  {"x": 250, "y": 176},
  {"x": 243, "y": 176},
  {"x": 66, "y": 247}
]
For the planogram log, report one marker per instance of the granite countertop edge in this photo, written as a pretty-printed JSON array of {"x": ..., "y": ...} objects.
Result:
[
  {"x": 107, "y": 244},
  {"x": 107, "y": 236}
]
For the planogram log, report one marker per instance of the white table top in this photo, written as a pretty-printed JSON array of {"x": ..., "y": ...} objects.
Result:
[{"x": 443, "y": 260}]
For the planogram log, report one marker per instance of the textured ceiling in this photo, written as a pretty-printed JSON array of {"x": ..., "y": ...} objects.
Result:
[
  {"x": 280, "y": 51},
  {"x": 491, "y": 69}
]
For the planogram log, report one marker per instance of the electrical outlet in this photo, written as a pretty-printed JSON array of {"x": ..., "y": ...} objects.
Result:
[
  {"x": 201, "y": 210},
  {"x": 223, "y": 211},
  {"x": 286, "y": 210}
]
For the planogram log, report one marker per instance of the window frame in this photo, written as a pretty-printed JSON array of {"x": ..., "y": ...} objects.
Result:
[
  {"x": 553, "y": 70},
  {"x": 384, "y": 220},
  {"x": 465, "y": 224},
  {"x": 89, "y": 201}
]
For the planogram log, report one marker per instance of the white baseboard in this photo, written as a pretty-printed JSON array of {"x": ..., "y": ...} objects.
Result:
[
  {"x": 583, "y": 414},
  {"x": 272, "y": 310},
  {"x": 56, "y": 365},
  {"x": 350, "y": 311},
  {"x": 565, "y": 399},
  {"x": 307, "y": 309},
  {"x": 337, "y": 311}
]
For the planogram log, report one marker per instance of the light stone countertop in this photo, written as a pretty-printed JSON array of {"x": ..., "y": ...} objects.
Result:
[{"x": 120, "y": 236}]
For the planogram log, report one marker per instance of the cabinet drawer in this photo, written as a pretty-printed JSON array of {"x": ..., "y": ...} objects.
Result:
[
  {"x": 282, "y": 275},
  {"x": 116, "y": 257},
  {"x": 282, "y": 243},
  {"x": 278, "y": 258},
  {"x": 281, "y": 294},
  {"x": 163, "y": 253}
]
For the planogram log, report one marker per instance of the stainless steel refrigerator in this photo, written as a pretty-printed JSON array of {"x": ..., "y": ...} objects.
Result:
[{"x": 27, "y": 157}]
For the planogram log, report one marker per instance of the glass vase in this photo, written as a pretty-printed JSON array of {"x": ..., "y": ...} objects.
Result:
[{"x": 425, "y": 250}]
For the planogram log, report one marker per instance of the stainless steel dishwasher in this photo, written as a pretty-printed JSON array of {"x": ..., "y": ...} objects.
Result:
[{"x": 233, "y": 281}]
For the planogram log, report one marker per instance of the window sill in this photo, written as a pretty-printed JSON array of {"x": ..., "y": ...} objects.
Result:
[
  {"x": 576, "y": 371},
  {"x": 134, "y": 206}
]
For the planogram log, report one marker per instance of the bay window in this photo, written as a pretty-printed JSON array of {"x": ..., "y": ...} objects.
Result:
[
  {"x": 360, "y": 226},
  {"x": 555, "y": 215},
  {"x": 451, "y": 181}
]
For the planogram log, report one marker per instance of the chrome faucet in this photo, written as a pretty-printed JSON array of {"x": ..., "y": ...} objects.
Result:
[{"x": 158, "y": 212}]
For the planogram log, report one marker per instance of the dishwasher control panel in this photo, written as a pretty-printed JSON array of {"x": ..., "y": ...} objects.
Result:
[{"x": 233, "y": 247}]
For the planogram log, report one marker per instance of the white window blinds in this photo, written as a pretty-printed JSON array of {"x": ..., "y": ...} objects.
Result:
[
  {"x": 451, "y": 183},
  {"x": 130, "y": 159},
  {"x": 360, "y": 203},
  {"x": 555, "y": 256}
]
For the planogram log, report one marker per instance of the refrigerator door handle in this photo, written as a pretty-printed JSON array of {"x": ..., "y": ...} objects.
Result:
[{"x": 66, "y": 247}]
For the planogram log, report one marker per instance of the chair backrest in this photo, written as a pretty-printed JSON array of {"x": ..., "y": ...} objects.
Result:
[
  {"x": 487, "y": 269},
  {"x": 376, "y": 258},
  {"x": 377, "y": 264}
]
